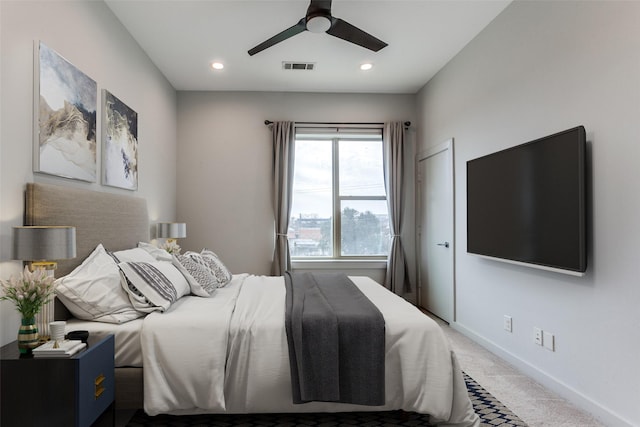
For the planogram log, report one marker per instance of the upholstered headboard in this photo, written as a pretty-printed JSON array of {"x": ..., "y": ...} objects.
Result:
[{"x": 117, "y": 221}]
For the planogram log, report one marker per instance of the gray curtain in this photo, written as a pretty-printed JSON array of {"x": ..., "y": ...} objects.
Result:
[
  {"x": 393, "y": 137},
  {"x": 283, "y": 156}
]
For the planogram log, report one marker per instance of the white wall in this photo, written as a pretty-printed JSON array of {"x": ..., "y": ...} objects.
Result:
[
  {"x": 225, "y": 160},
  {"x": 89, "y": 36},
  {"x": 539, "y": 68}
]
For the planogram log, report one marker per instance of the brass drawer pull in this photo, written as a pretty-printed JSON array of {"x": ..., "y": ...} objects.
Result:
[
  {"x": 99, "y": 379},
  {"x": 99, "y": 388},
  {"x": 98, "y": 393}
]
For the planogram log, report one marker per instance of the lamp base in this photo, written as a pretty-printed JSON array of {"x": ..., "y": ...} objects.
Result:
[
  {"x": 46, "y": 313},
  {"x": 49, "y": 266}
]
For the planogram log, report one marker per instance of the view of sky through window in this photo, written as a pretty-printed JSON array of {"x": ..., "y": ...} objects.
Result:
[{"x": 363, "y": 226}]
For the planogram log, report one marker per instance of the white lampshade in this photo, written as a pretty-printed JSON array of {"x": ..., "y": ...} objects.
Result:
[
  {"x": 171, "y": 230},
  {"x": 44, "y": 243}
]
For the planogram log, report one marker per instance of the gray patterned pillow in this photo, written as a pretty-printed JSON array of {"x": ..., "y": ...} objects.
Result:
[
  {"x": 197, "y": 273},
  {"x": 217, "y": 268}
]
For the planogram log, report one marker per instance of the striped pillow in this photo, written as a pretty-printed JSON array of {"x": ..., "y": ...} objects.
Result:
[{"x": 153, "y": 286}]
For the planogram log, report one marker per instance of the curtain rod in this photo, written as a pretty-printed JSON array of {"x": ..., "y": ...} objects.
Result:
[{"x": 269, "y": 122}]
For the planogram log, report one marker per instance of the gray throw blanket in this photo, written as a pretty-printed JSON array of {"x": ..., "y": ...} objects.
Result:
[{"x": 336, "y": 340}]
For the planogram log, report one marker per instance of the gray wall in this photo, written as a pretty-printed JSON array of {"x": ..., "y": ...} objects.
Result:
[
  {"x": 539, "y": 68},
  {"x": 89, "y": 36},
  {"x": 224, "y": 165}
]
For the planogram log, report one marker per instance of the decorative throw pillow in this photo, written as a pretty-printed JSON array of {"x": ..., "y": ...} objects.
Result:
[
  {"x": 93, "y": 291},
  {"x": 217, "y": 267},
  {"x": 197, "y": 273},
  {"x": 158, "y": 253},
  {"x": 132, "y": 255},
  {"x": 153, "y": 286}
]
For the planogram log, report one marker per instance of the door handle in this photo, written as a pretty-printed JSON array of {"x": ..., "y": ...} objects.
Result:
[{"x": 445, "y": 244}]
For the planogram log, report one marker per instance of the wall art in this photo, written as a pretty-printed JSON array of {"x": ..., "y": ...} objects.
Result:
[
  {"x": 119, "y": 144},
  {"x": 65, "y": 117}
]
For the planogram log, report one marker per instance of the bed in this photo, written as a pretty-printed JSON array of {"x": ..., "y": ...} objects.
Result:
[{"x": 228, "y": 353}]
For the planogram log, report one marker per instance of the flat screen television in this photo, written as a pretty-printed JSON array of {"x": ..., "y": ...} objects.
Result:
[{"x": 526, "y": 204}]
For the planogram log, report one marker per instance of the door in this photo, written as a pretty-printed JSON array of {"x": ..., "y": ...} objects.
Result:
[{"x": 436, "y": 231}]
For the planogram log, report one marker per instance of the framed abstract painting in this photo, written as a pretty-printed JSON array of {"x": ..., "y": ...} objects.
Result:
[
  {"x": 119, "y": 143},
  {"x": 65, "y": 117}
]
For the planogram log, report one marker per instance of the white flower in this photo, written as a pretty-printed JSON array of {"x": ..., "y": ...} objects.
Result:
[
  {"x": 172, "y": 247},
  {"x": 29, "y": 291}
]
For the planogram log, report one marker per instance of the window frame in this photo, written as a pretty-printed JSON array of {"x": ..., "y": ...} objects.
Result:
[{"x": 335, "y": 135}]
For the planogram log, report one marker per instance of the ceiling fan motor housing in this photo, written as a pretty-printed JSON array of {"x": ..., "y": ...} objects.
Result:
[{"x": 318, "y": 23}]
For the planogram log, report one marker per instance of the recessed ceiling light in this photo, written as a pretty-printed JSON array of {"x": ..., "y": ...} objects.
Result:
[
  {"x": 366, "y": 66},
  {"x": 217, "y": 65}
]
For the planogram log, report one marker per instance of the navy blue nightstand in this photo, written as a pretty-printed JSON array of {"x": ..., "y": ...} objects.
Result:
[{"x": 74, "y": 392}]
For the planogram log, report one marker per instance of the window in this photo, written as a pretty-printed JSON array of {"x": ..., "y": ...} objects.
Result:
[{"x": 339, "y": 207}]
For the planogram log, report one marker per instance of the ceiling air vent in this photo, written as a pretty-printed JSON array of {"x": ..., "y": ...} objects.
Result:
[{"x": 309, "y": 66}]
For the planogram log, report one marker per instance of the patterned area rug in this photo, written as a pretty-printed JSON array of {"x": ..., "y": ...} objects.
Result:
[
  {"x": 490, "y": 410},
  {"x": 492, "y": 413}
]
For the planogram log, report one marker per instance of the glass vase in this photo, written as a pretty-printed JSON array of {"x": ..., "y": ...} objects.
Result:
[{"x": 27, "y": 335}]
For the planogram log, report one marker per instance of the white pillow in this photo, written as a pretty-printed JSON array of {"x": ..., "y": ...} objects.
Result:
[
  {"x": 153, "y": 286},
  {"x": 93, "y": 291},
  {"x": 158, "y": 253},
  {"x": 197, "y": 273},
  {"x": 133, "y": 255}
]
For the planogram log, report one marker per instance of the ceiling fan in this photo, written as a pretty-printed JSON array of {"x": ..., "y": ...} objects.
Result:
[{"x": 319, "y": 20}]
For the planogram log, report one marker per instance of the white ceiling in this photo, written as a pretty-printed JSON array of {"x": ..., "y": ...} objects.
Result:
[{"x": 182, "y": 37}]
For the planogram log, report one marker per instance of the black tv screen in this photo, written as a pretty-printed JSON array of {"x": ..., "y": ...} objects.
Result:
[{"x": 526, "y": 204}]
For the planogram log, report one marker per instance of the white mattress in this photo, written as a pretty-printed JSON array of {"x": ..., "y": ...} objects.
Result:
[{"x": 127, "y": 338}]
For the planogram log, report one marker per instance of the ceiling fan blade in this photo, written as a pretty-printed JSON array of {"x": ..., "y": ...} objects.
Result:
[
  {"x": 345, "y": 31},
  {"x": 289, "y": 32},
  {"x": 319, "y": 7}
]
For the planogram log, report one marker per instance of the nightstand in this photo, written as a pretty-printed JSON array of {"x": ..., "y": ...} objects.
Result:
[{"x": 73, "y": 392}]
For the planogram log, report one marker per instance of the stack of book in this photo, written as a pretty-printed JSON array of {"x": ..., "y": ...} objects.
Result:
[{"x": 66, "y": 348}]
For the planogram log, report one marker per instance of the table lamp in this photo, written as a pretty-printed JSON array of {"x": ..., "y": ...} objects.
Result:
[
  {"x": 40, "y": 246},
  {"x": 171, "y": 230}
]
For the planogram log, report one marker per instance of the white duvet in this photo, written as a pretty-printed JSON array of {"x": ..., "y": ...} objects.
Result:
[{"x": 228, "y": 354}]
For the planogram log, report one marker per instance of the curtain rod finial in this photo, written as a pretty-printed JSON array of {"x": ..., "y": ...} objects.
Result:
[{"x": 268, "y": 122}]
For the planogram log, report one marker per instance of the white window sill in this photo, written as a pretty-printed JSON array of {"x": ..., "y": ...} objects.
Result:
[{"x": 339, "y": 264}]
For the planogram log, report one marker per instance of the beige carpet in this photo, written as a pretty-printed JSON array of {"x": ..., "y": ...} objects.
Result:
[{"x": 533, "y": 403}]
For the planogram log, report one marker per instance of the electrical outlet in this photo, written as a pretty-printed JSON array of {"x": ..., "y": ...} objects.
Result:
[
  {"x": 507, "y": 323},
  {"x": 537, "y": 336},
  {"x": 549, "y": 341}
]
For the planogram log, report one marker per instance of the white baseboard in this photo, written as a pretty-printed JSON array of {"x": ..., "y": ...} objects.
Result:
[{"x": 587, "y": 404}]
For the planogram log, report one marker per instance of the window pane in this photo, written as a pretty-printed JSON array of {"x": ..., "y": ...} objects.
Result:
[
  {"x": 310, "y": 226},
  {"x": 361, "y": 170},
  {"x": 365, "y": 227}
]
